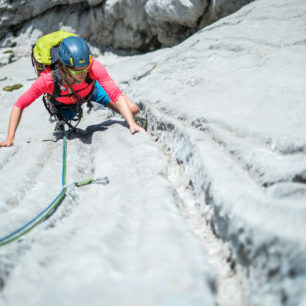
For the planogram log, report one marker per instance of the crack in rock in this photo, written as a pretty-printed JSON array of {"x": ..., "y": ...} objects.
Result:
[{"x": 263, "y": 252}]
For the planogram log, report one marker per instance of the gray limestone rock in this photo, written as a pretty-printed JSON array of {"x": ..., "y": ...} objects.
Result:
[
  {"x": 182, "y": 12},
  {"x": 141, "y": 25}
]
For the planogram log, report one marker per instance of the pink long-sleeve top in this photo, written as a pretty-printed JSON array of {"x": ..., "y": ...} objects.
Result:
[{"x": 44, "y": 84}]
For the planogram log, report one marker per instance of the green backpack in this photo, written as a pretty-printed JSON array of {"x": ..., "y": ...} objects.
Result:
[{"x": 44, "y": 52}]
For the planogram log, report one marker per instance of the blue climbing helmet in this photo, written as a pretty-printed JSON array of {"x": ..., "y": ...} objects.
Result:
[{"x": 74, "y": 52}]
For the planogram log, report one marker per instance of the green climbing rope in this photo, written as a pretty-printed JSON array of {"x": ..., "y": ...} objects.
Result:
[{"x": 50, "y": 209}]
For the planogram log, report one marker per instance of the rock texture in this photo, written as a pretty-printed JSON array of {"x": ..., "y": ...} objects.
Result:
[
  {"x": 126, "y": 24},
  {"x": 227, "y": 108}
]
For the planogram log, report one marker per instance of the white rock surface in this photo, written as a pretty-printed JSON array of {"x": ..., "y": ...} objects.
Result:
[
  {"x": 228, "y": 107},
  {"x": 6, "y": 57},
  {"x": 127, "y": 24},
  {"x": 121, "y": 244},
  {"x": 183, "y": 12}
]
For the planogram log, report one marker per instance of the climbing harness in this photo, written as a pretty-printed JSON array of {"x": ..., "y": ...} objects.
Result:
[
  {"x": 55, "y": 108},
  {"x": 51, "y": 208}
]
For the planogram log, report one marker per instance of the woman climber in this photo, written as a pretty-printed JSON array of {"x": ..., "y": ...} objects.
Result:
[{"x": 76, "y": 78}]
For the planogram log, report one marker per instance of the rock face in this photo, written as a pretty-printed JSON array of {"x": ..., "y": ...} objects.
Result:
[
  {"x": 227, "y": 107},
  {"x": 127, "y": 24}
]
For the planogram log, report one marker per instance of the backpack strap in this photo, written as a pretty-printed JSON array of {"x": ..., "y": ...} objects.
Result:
[{"x": 57, "y": 81}]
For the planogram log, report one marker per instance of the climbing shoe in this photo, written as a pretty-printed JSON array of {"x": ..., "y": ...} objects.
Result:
[
  {"x": 141, "y": 122},
  {"x": 59, "y": 127}
]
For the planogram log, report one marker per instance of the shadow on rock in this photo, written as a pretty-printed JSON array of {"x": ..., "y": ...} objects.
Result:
[{"x": 86, "y": 135}]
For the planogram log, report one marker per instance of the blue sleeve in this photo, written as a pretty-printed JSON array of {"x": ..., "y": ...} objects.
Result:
[{"x": 100, "y": 96}]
